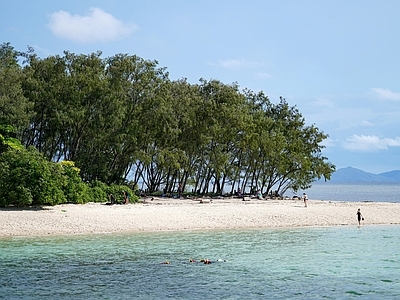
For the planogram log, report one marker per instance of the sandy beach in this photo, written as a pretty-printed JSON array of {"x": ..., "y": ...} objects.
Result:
[{"x": 161, "y": 214}]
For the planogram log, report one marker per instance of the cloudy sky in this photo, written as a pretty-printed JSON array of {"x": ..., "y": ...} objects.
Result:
[{"x": 338, "y": 61}]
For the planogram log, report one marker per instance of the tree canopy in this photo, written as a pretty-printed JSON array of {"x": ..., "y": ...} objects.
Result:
[{"x": 122, "y": 118}]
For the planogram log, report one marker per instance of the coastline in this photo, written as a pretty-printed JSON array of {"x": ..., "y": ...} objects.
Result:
[{"x": 164, "y": 214}]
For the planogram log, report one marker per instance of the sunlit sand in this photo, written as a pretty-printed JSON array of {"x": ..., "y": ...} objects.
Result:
[{"x": 162, "y": 214}]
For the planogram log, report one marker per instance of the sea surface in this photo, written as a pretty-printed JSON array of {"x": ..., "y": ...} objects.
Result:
[
  {"x": 343, "y": 262},
  {"x": 354, "y": 192}
]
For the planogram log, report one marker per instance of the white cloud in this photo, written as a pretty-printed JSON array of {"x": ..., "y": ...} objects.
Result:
[
  {"x": 329, "y": 143},
  {"x": 96, "y": 26},
  {"x": 386, "y": 94},
  {"x": 370, "y": 143},
  {"x": 235, "y": 64}
]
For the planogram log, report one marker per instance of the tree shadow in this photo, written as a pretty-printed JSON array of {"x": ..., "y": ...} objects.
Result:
[{"x": 24, "y": 208}]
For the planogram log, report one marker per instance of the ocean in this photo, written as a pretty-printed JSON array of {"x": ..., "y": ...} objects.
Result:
[
  {"x": 348, "y": 262},
  {"x": 354, "y": 192},
  {"x": 340, "y": 262}
]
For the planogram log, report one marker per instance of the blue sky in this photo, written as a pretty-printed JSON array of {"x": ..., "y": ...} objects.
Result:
[{"x": 337, "y": 61}]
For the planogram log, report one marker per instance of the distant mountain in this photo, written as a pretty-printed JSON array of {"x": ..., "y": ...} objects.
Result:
[
  {"x": 353, "y": 175},
  {"x": 392, "y": 174}
]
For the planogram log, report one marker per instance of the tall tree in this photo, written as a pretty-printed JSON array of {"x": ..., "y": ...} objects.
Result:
[
  {"x": 145, "y": 114},
  {"x": 121, "y": 117},
  {"x": 15, "y": 109}
]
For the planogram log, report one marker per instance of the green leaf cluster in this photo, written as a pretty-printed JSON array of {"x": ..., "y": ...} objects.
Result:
[
  {"x": 121, "y": 118},
  {"x": 28, "y": 178}
]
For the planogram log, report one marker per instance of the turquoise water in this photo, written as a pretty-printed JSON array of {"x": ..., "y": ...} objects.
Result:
[{"x": 303, "y": 263}]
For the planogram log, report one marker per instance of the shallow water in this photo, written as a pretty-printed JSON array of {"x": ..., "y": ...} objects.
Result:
[{"x": 304, "y": 263}]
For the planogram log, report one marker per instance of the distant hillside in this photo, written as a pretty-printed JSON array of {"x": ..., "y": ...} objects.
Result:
[
  {"x": 353, "y": 175},
  {"x": 392, "y": 174}
]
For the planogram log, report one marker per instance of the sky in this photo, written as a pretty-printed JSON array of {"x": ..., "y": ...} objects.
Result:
[{"x": 337, "y": 61}]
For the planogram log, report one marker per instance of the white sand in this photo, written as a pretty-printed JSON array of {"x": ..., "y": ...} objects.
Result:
[{"x": 185, "y": 214}]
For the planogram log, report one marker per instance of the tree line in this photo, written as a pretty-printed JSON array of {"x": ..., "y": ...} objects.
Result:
[{"x": 122, "y": 119}]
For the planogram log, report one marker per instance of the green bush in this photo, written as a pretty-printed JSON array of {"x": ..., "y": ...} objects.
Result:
[
  {"x": 7, "y": 139},
  {"x": 75, "y": 190},
  {"x": 27, "y": 178},
  {"x": 100, "y": 192}
]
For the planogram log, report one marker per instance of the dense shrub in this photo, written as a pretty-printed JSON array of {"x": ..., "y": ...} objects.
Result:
[
  {"x": 100, "y": 192},
  {"x": 27, "y": 178},
  {"x": 75, "y": 190},
  {"x": 118, "y": 192}
]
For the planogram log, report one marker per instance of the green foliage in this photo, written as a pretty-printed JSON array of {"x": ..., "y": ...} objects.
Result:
[
  {"x": 118, "y": 192},
  {"x": 122, "y": 117},
  {"x": 27, "y": 178},
  {"x": 15, "y": 109},
  {"x": 8, "y": 140},
  {"x": 100, "y": 192},
  {"x": 75, "y": 190}
]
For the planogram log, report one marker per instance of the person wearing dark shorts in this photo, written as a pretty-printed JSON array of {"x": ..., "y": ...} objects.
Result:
[{"x": 359, "y": 216}]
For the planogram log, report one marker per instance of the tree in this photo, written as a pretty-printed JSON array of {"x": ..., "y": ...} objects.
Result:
[
  {"x": 224, "y": 114},
  {"x": 288, "y": 154},
  {"x": 15, "y": 109},
  {"x": 147, "y": 118},
  {"x": 122, "y": 118}
]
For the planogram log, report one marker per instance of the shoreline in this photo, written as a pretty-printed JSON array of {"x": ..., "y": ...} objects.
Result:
[{"x": 165, "y": 214}]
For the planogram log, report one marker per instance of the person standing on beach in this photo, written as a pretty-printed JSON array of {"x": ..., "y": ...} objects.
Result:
[
  {"x": 126, "y": 197},
  {"x": 112, "y": 199},
  {"x": 305, "y": 199},
  {"x": 359, "y": 216},
  {"x": 180, "y": 189}
]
